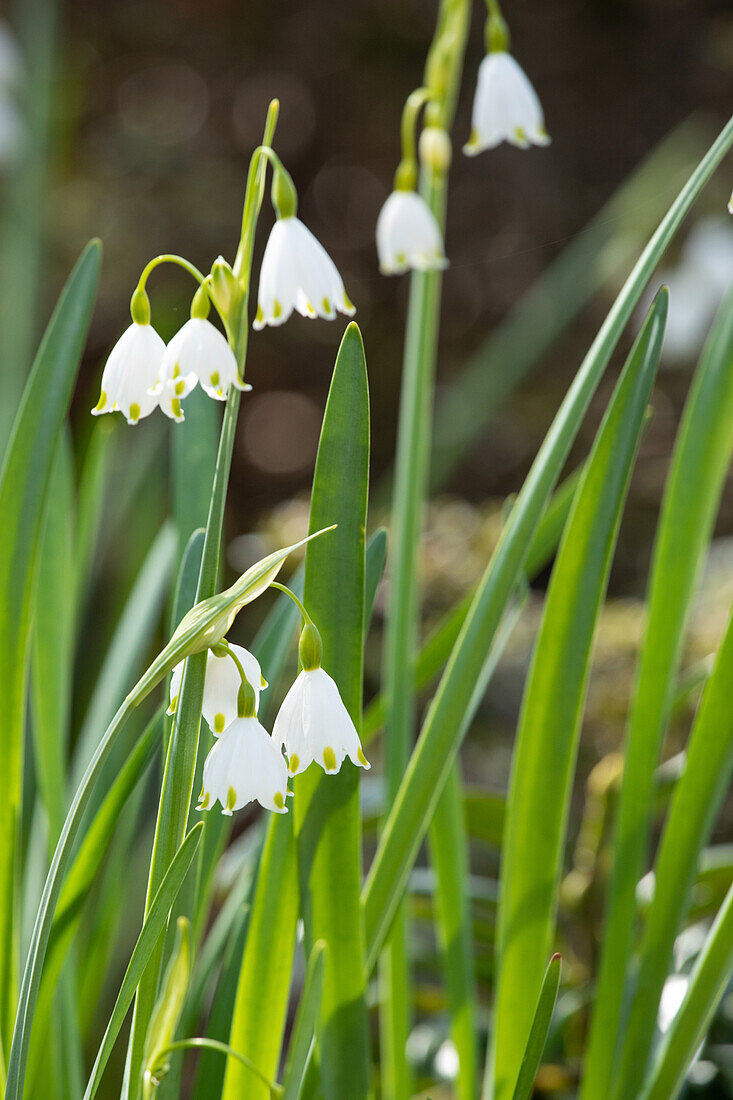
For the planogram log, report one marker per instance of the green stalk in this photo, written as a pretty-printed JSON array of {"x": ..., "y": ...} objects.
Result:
[
  {"x": 442, "y": 77},
  {"x": 180, "y": 766}
]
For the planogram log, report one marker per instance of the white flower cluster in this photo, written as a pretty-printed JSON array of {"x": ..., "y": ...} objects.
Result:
[
  {"x": 142, "y": 373},
  {"x": 246, "y": 763}
]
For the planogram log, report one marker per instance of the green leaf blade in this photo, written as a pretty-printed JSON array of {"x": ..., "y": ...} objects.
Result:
[{"x": 326, "y": 809}]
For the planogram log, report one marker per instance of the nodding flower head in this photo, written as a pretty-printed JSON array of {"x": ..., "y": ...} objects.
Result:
[
  {"x": 408, "y": 236},
  {"x": 313, "y": 724},
  {"x": 130, "y": 374},
  {"x": 297, "y": 273},
  {"x": 199, "y": 352},
  {"x": 221, "y": 686},
  {"x": 245, "y": 765},
  {"x": 505, "y": 108}
]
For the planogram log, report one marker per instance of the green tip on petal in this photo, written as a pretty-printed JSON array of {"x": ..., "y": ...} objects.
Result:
[
  {"x": 218, "y": 723},
  {"x": 294, "y": 761},
  {"x": 259, "y": 315},
  {"x": 204, "y": 799},
  {"x": 276, "y": 309},
  {"x": 279, "y": 800},
  {"x": 362, "y": 758},
  {"x": 231, "y": 799},
  {"x": 134, "y": 411},
  {"x": 100, "y": 406},
  {"x": 329, "y": 759}
]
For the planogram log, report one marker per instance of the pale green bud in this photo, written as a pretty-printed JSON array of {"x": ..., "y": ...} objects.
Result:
[
  {"x": 223, "y": 287},
  {"x": 435, "y": 149},
  {"x": 284, "y": 195},
  {"x": 310, "y": 647},
  {"x": 140, "y": 307}
]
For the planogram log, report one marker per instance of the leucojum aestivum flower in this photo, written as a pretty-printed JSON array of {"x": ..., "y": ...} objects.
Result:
[{"x": 142, "y": 373}]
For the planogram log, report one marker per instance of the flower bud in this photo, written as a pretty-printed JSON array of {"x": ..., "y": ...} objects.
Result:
[
  {"x": 140, "y": 307},
  {"x": 223, "y": 287},
  {"x": 284, "y": 195},
  {"x": 246, "y": 701},
  {"x": 200, "y": 304},
  {"x": 435, "y": 149},
  {"x": 310, "y": 647}
]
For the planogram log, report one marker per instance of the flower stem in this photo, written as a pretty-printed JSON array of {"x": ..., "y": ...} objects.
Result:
[
  {"x": 178, "y": 777},
  {"x": 228, "y": 1052},
  {"x": 443, "y": 71}
]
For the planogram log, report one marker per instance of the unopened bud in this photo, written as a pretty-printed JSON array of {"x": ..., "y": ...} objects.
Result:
[
  {"x": 435, "y": 149},
  {"x": 223, "y": 286},
  {"x": 246, "y": 700},
  {"x": 140, "y": 307},
  {"x": 310, "y": 647}
]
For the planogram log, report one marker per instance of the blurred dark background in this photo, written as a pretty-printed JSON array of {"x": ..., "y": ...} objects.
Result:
[{"x": 155, "y": 108}]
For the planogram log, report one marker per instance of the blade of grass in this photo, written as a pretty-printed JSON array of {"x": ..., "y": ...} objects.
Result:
[
  {"x": 598, "y": 256},
  {"x": 305, "y": 1025},
  {"x": 25, "y": 476},
  {"x": 443, "y": 727},
  {"x": 708, "y": 983},
  {"x": 543, "y": 762},
  {"x": 326, "y": 807},
  {"x": 539, "y": 1030},
  {"x": 436, "y": 650},
  {"x": 694, "y": 486},
  {"x": 454, "y": 927},
  {"x": 92, "y": 495},
  {"x": 81, "y": 877},
  {"x": 695, "y": 803},
  {"x": 153, "y": 926}
]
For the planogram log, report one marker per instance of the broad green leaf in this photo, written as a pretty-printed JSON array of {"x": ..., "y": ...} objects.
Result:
[
  {"x": 260, "y": 1008},
  {"x": 539, "y": 1030},
  {"x": 695, "y": 803},
  {"x": 543, "y": 762},
  {"x": 444, "y": 725},
  {"x": 153, "y": 926},
  {"x": 708, "y": 983},
  {"x": 82, "y": 876},
  {"x": 485, "y": 812},
  {"x": 694, "y": 486},
  {"x": 302, "y": 1038},
  {"x": 326, "y": 807},
  {"x": 25, "y": 476},
  {"x": 193, "y": 460},
  {"x": 454, "y": 927}
]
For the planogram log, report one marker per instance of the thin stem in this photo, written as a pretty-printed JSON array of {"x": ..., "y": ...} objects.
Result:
[
  {"x": 170, "y": 258},
  {"x": 227, "y": 1051},
  {"x": 284, "y": 588},
  {"x": 180, "y": 767},
  {"x": 413, "y": 105}
]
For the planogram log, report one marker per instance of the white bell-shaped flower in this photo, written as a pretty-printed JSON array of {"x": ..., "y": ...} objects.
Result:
[
  {"x": 408, "y": 235},
  {"x": 505, "y": 107},
  {"x": 199, "y": 352},
  {"x": 221, "y": 686},
  {"x": 313, "y": 724},
  {"x": 245, "y": 764},
  {"x": 297, "y": 273},
  {"x": 130, "y": 374}
]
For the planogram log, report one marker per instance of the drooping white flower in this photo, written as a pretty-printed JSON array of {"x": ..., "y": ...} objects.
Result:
[
  {"x": 245, "y": 764},
  {"x": 297, "y": 273},
  {"x": 221, "y": 687},
  {"x": 408, "y": 235},
  {"x": 505, "y": 107},
  {"x": 313, "y": 724},
  {"x": 199, "y": 352},
  {"x": 130, "y": 374}
]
